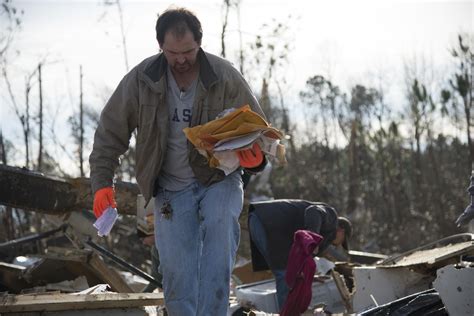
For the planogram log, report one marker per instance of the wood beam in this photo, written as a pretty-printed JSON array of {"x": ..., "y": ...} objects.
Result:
[
  {"x": 33, "y": 191},
  {"x": 61, "y": 302}
]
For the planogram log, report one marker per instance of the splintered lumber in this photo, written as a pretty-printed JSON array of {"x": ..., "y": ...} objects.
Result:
[
  {"x": 109, "y": 275},
  {"x": 342, "y": 288},
  {"x": 61, "y": 264},
  {"x": 33, "y": 191},
  {"x": 61, "y": 302}
]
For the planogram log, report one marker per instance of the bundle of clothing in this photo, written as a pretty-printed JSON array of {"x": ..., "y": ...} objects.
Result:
[{"x": 235, "y": 138}]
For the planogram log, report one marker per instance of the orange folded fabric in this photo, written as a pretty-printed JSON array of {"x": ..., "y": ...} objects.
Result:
[{"x": 240, "y": 122}]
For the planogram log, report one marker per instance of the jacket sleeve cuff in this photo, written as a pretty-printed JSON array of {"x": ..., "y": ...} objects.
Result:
[{"x": 259, "y": 168}]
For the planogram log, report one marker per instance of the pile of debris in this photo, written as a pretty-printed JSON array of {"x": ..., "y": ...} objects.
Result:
[
  {"x": 68, "y": 269},
  {"x": 435, "y": 279},
  {"x": 71, "y": 277},
  {"x": 74, "y": 272}
]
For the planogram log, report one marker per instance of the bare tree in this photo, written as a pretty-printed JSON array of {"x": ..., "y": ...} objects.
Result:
[
  {"x": 462, "y": 86},
  {"x": 8, "y": 214},
  {"x": 269, "y": 60},
  {"x": 122, "y": 29},
  {"x": 39, "y": 166},
  {"x": 361, "y": 105},
  {"x": 81, "y": 124},
  {"x": 26, "y": 119},
  {"x": 241, "y": 47},
  {"x": 3, "y": 149},
  {"x": 227, "y": 4},
  {"x": 10, "y": 26},
  {"x": 77, "y": 122},
  {"x": 13, "y": 24}
]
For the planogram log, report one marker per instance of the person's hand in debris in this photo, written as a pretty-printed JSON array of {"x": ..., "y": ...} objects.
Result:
[
  {"x": 468, "y": 213},
  {"x": 466, "y": 216}
]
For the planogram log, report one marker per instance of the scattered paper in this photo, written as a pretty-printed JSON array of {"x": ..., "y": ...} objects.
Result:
[
  {"x": 269, "y": 145},
  {"x": 323, "y": 265},
  {"x": 238, "y": 142},
  {"x": 106, "y": 221}
]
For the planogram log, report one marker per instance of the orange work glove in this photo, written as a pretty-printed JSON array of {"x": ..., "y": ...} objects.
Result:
[
  {"x": 252, "y": 157},
  {"x": 102, "y": 199}
]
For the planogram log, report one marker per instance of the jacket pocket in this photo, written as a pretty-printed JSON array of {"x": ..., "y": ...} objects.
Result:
[{"x": 214, "y": 109}]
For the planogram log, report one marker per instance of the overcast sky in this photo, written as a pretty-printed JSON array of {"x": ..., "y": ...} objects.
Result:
[{"x": 346, "y": 40}]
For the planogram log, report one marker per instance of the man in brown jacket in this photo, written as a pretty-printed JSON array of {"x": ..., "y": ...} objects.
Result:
[{"x": 196, "y": 207}]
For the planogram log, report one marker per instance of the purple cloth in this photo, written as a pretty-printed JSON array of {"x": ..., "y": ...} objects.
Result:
[{"x": 300, "y": 271}]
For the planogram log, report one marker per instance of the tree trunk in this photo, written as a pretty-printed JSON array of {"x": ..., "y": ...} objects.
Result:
[
  {"x": 224, "y": 27},
  {"x": 40, "y": 118},
  {"x": 353, "y": 170},
  {"x": 81, "y": 125},
  {"x": 33, "y": 191},
  {"x": 122, "y": 33},
  {"x": 26, "y": 125}
]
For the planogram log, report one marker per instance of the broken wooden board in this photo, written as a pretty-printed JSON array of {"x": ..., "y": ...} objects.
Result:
[
  {"x": 246, "y": 275},
  {"x": 109, "y": 275},
  {"x": 88, "y": 263},
  {"x": 433, "y": 258},
  {"x": 58, "y": 302},
  {"x": 364, "y": 257},
  {"x": 63, "y": 264},
  {"x": 33, "y": 191},
  {"x": 134, "y": 311},
  {"x": 342, "y": 288}
]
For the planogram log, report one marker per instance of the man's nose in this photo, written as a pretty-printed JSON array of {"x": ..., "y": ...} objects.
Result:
[{"x": 180, "y": 59}]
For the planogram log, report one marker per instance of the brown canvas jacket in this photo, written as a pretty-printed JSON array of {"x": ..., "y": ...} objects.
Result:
[{"x": 139, "y": 104}]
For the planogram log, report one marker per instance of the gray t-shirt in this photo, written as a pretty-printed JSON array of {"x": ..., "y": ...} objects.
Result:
[{"x": 176, "y": 172}]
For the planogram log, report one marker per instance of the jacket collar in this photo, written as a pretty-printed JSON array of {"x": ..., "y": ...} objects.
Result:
[{"x": 157, "y": 69}]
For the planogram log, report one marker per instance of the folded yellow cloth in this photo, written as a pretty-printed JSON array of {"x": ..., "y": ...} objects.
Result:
[{"x": 240, "y": 122}]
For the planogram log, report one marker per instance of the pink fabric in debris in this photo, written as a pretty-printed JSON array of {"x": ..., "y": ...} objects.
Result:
[{"x": 300, "y": 271}]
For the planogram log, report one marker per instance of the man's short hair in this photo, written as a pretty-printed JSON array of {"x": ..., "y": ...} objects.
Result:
[
  {"x": 178, "y": 20},
  {"x": 345, "y": 223}
]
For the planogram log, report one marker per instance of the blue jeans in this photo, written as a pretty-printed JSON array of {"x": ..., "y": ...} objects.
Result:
[
  {"x": 257, "y": 233},
  {"x": 197, "y": 245}
]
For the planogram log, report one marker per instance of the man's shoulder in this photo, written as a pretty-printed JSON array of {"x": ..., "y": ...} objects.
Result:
[
  {"x": 221, "y": 66},
  {"x": 216, "y": 60},
  {"x": 147, "y": 62},
  {"x": 151, "y": 68}
]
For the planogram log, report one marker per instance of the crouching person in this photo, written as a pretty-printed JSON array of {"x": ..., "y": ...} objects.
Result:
[{"x": 272, "y": 225}]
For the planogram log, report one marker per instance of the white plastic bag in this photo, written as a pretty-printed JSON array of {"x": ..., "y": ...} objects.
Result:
[{"x": 106, "y": 221}]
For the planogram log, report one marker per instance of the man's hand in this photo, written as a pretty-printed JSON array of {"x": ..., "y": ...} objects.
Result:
[
  {"x": 102, "y": 199},
  {"x": 149, "y": 240},
  {"x": 252, "y": 157},
  {"x": 466, "y": 216}
]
